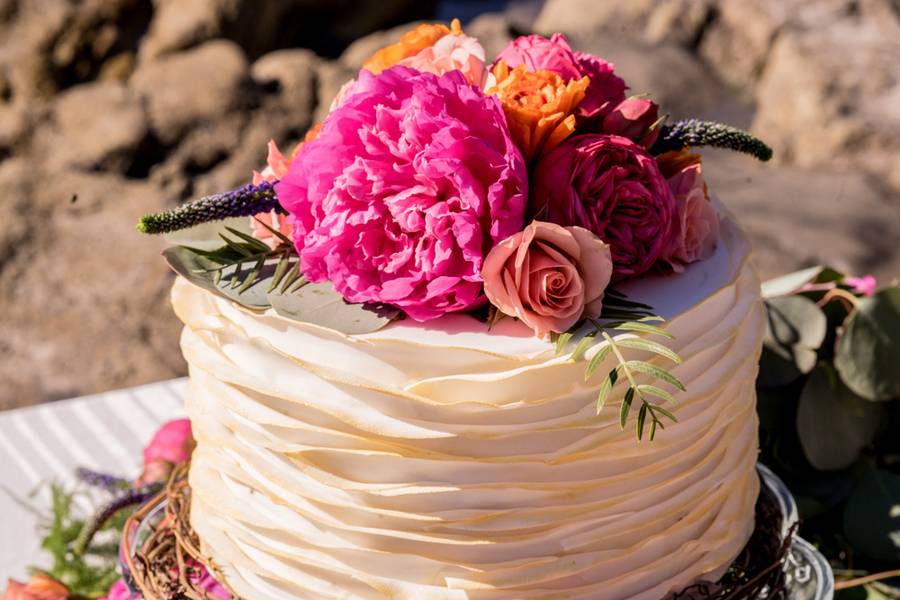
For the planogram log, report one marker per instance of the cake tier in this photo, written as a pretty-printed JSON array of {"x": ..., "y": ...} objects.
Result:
[{"x": 440, "y": 460}]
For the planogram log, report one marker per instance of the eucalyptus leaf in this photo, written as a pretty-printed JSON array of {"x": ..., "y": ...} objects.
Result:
[
  {"x": 320, "y": 304},
  {"x": 872, "y": 517},
  {"x": 868, "y": 352},
  {"x": 795, "y": 328},
  {"x": 790, "y": 283},
  {"x": 833, "y": 423},
  {"x": 199, "y": 270}
]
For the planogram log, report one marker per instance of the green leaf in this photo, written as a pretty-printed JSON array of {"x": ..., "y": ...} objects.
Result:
[
  {"x": 795, "y": 328},
  {"x": 252, "y": 242},
  {"x": 561, "y": 341},
  {"x": 642, "y": 417},
  {"x": 653, "y": 424},
  {"x": 645, "y": 328},
  {"x": 596, "y": 360},
  {"x": 652, "y": 390},
  {"x": 833, "y": 423},
  {"x": 200, "y": 271},
  {"x": 235, "y": 246},
  {"x": 582, "y": 346},
  {"x": 649, "y": 346},
  {"x": 655, "y": 372},
  {"x": 626, "y": 407},
  {"x": 320, "y": 304},
  {"x": 868, "y": 352},
  {"x": 608, "y": 382},
  {"x": 786, "y": 285},
  {"x": 872, "y": 516},
  {"x": 293, "y": 275},
  {"x": 667, "y": 414},
  {"x": 280, "y": 271}
]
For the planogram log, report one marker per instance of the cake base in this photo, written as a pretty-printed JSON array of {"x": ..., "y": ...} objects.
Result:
[{"x": 161, "y": 552}]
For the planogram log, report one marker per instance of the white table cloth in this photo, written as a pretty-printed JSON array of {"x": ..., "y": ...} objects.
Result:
[{"x": 47, "y": 443}]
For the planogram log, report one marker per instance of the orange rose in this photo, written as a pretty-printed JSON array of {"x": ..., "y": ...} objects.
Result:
[
  {"x": 410, "y": 44},
  {"x": 41, "y": 587},
  {"x": 539, "y": 106}
]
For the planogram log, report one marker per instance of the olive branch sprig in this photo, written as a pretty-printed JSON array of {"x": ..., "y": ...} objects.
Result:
[
  {"x": 243, "y": 251},
  {"x": 621, "y": 314}
]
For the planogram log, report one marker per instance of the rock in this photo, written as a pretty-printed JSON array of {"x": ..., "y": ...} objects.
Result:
[
  {"x": 820, "y": 104},
  {"x": 674, "y": 78},
  {"x": 492, "y": 30},
  {"x": 114, "y": 327},
  {"x": 180, "y": 24},
  {"x": 15, "y": 183},
  {"x": 799, "y": 217},
  {"x": 102, "y": 124},
  {"x": 331, "y": 77},
  {"x": 192, "y": 88},
  {"x": 651, "y": 21},
  {"x": 292, "y": 76}
]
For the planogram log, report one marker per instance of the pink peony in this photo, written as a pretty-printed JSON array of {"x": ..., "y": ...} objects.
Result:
[
  {"x": 453, "y": 52},
  {"x": 548, "y": 276},
  {"x": 276, "y": 167},
  {"x": 606, "y": 89},
  {"x": 172, "y": 445},
  {"x": 697, "y": 221},
  {"x": 612, "y": 187},
  {"x": 632, "y": 118},
  {"x": 408, "y": 186}
]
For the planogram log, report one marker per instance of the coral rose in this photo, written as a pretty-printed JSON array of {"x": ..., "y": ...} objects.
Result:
[
  {"x": 536, "y": 53},
  {"x": 539, "y": 106},
  {"x": 276, "y": 167},
  {"x": 409, "y": 184},
  {"x": 613, "y": 187},
  {"x": 410, "y": 44},
  {"x": 39, "y": 587},
  {"x": 696, "y": 222},
  {"x": 548, "y": 276}
]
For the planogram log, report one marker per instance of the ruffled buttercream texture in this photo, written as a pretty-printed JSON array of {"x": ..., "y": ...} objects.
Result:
[{"x": 440, "y": 461}]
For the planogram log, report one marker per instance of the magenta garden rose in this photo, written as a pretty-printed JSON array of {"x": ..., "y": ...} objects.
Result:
[
  {"x": 614, "y": 188},
  {"x": 548, "y": 276},
  {"x": 412, "y": 180},
  {"x": 606, "y": 89}
]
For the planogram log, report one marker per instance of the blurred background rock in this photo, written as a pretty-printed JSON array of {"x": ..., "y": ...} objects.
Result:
[{"x": 114, "y": 108}]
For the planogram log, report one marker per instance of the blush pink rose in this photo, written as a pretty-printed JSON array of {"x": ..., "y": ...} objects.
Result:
[
  {"x": 276, "y": 167},
  {"x": 633, "y": 118},
  {"x": 548, "y": 276},
  {"x": 453, "y": 52},
  {"x": 409, "y": 184},
  {"x": 612, "y": 187},
  {"x": 606, "y": 89},
  {"x": 39, "y": 587},
  {"x": 697, "y": 220},
  {"x": 172, "y": 445}
]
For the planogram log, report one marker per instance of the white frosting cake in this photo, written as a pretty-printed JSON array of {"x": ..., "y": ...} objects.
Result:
[{"x": 445, "y": 461}]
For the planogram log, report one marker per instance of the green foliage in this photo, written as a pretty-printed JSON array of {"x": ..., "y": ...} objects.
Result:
[
  {"x": 250, "y": 273},
  {"x": 829, "y": 408},
  {"x": 623, "y": 316},
  {"x": 91, "y": 574}
]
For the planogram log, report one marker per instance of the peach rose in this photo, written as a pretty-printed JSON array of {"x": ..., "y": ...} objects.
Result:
[
  {"x": 453, "y": 52},
  {"x": 539, "y": 106},
  {"x": 411, "y": 42},
  {"x": 696, "y": 218},
  {"x": 40, "y": 587},
  {"x": 548, "y": 276}
]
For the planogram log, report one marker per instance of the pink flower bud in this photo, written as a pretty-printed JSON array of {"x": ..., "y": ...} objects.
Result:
[{"x": 632, "y": 119}]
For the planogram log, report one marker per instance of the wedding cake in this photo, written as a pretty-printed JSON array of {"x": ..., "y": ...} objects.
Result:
[{"x": 488, "y": 337}]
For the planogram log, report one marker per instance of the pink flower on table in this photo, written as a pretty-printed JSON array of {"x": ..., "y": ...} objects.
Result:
[
  {"x": 409, "y": 184},
  {"x": 120, "y": 591},
  {"x": 863, "y": 286},
  {"x": 697, "y": 220},
  {"x": 632, "y": 118},
  {"x": 39, "y": 587},
  {"x": 276, "y": 167},
  {"x": 172, "y": 445},
  {"x": 614, "y": 188},
  {"x": 548, "y": 276},
  {"x": 606, "y": 89}
]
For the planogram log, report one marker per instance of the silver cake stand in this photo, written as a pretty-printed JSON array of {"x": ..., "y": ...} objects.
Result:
[{"x": 808, "y": 574}]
